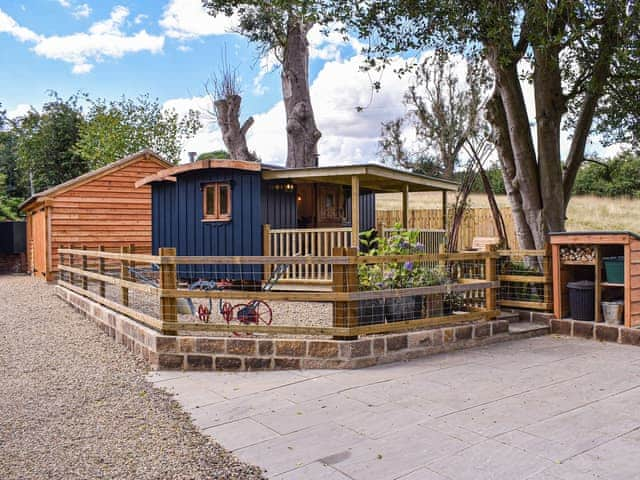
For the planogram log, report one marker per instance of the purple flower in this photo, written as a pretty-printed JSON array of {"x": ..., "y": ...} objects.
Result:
[
  {"x": 420, "y": 246},
  {"x": 408, "y": 265}
]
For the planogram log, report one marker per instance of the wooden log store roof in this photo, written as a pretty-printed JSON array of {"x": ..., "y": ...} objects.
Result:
[{"x": 376, "y": 178}]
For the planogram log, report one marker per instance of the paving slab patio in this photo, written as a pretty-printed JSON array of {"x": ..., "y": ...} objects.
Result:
[{"x": 543, "y": 408}]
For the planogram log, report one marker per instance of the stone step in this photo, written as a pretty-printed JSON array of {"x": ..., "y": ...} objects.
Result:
[
  {"x": 510, "y": 316},
  {"x": 528, "y": 329}
]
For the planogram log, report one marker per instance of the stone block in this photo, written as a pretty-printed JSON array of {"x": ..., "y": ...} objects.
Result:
[
  {"x": 199, "y": 362},
  {"x": 209, "y": 345},
  {"x": 607, "y": 333},
  {"x": 397, "y": 342},
  {"x": 464, "y": 332},
  {"x": 241, "y": 346},
  {"x": 323, "y": 349},
  {"x": 253, "y": 363},
  {"x": 582, "y": 329},
  {"x": 170, "y": 362},
  {"x": 420, "y": 339},
  {"x": 228, "y": 363},
  {"x": 186, "y": 344},
  {"x": 291, "y": 348},
  {"x": 265, "y": 347},
  {"x": 166, "y": 344},
  {"x": 438, "y": 337},
  {"x": 316, "y": 363},
  {"x": 500, "y": 326},
  {"x": 378, "y": 346},
  {"x": 481, "y": 330},
  {"x": 448, "y": 335},
  {"x": 362, "y": 362},
  {"x": 561, "y": 327},
  {"x": 287, "y": 363},
  {"x": 355, "y": 348},
  {"x": 630, "y": 336}
]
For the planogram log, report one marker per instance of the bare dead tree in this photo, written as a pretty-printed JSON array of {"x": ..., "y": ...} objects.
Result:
[{"x": 223, "y": 89}]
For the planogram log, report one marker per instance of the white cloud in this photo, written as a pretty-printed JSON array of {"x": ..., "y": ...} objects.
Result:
[
  {"x": 187, "y": 19},
  {"x": 82, "y": 11},
  {"x": 10, "y": 26},
  {"x": 65, "y": 3},
  {"x": 19, "y": 111},
  {"x": 105, "y": 39},
  {"x": 140, "y": 18}
]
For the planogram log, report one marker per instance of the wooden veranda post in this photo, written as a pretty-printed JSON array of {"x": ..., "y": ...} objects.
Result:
[
  {"x": 169, "y": 281},
  {"x": 266, "y": 248},
  {"x": 405, "y": 206},
  {"x": 85, "y": 279},
  {"x": 124, "y": 275},
  {"x": 547, "y": 272},
  {"x": 355, "y": 211},
  {"x": 444, "y": 210},
  {"x": 101, "y": 271},
  {"x": 491, "y": 275},
  {"x": 345, "y": 279}
]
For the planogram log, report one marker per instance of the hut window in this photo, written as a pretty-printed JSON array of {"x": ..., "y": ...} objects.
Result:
[{"x": 216, "y": 199}]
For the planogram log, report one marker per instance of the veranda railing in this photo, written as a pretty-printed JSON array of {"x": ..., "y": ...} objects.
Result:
[{"x": 158, "y": 291}]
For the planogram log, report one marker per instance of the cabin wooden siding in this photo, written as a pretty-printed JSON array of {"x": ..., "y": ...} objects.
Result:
[
  {"x": 178, "y": 222},
  {"x": 107, "y": 210},
  {"x": 367, "y": 210},
  {"x": 279, "y": 208}
]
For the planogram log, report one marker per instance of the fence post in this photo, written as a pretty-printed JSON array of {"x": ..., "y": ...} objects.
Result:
[
  {"x": 345, "y": 279},
  {"x": 60, "y": 262},
  {"x": 168, "y": 281},
  {"x": 124, "y": 275},
  {"x": 548, "y": 275},
  {"x": 85, "y": 279},
  {"x": 101, "y": 271},
  {"x": 266, "y": 248},
  {"x": 491, "y": 275}
]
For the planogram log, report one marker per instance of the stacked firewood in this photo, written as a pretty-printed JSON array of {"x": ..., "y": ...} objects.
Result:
[{"x": 578, "y": 253}]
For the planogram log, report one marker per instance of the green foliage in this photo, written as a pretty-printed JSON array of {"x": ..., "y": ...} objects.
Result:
[
  {"x": 619, "y": 176},
  {"x": 8, "y": 205},
  {"x": 119, "y": 128},
  {"x": 44, "y": 144},
  {"x": 495, "y": 179},
  {"x": 400, "y": 274},
  {"x": 216, "y": 154}
]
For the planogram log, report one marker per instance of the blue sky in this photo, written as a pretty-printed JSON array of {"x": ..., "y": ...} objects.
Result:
[{"x": 168, "y": 48}]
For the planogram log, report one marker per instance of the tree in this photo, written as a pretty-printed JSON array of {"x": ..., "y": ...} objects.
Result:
[
  {"x": 119, "y": 128},
  {"x": 443, "y": 113},
  {"x": 224, "y": 91},
  {"x": 216, "y": 155},
  {"x": 578, "y": 57},
  {"x": 281, "y": 27},
  {"x": 44, "y": 145}
]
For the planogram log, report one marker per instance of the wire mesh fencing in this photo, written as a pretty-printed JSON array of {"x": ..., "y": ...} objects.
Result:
[
  {"x": 525, "y": 279},
  {"x": 240, "y": 296}
]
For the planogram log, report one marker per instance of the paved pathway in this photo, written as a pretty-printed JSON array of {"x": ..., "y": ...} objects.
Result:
[{"x": 547, "y": 408}]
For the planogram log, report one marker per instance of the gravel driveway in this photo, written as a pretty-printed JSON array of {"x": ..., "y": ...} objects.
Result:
[{"x": 73, "y": 404}]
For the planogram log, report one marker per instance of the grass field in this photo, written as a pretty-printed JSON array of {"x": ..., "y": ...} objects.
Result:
[{"x": 585, "y": 213}]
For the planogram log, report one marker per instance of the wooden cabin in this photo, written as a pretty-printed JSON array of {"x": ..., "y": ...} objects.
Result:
[
  {"x": 101, "y": 207},
  {"x": 229, "y": 207}
]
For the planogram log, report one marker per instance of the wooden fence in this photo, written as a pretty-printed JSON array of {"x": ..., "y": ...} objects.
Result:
[
  {"x": 525, "y": 279},
  {"x": 83, "y": 271},
  {"x": 477, "y": 222}
]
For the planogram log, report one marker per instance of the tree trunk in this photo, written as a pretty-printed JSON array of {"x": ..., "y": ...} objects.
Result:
[
  {"x": 550, "y": 107},
  {"x": 233, "y": 135},
  {"x": 302, "y": 133},
  {"x": 523, "y": 177}
]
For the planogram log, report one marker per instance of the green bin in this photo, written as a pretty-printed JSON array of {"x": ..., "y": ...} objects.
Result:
[{"x": 614, "y": 269}]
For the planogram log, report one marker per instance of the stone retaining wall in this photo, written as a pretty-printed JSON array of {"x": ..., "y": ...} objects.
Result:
[
  {"x": 232, "y": 353},
  {"x": 597, "y": 331}
]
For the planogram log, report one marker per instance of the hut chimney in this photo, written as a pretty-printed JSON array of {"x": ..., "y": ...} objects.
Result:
[{"x": 192, "y": 156}]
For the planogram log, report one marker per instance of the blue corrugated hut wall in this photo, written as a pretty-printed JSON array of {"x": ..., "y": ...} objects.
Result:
[
  {"x": 367, "y": 210},
  {"x": 177, "y": 222},
  {"x": 278, "y": 207}
]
